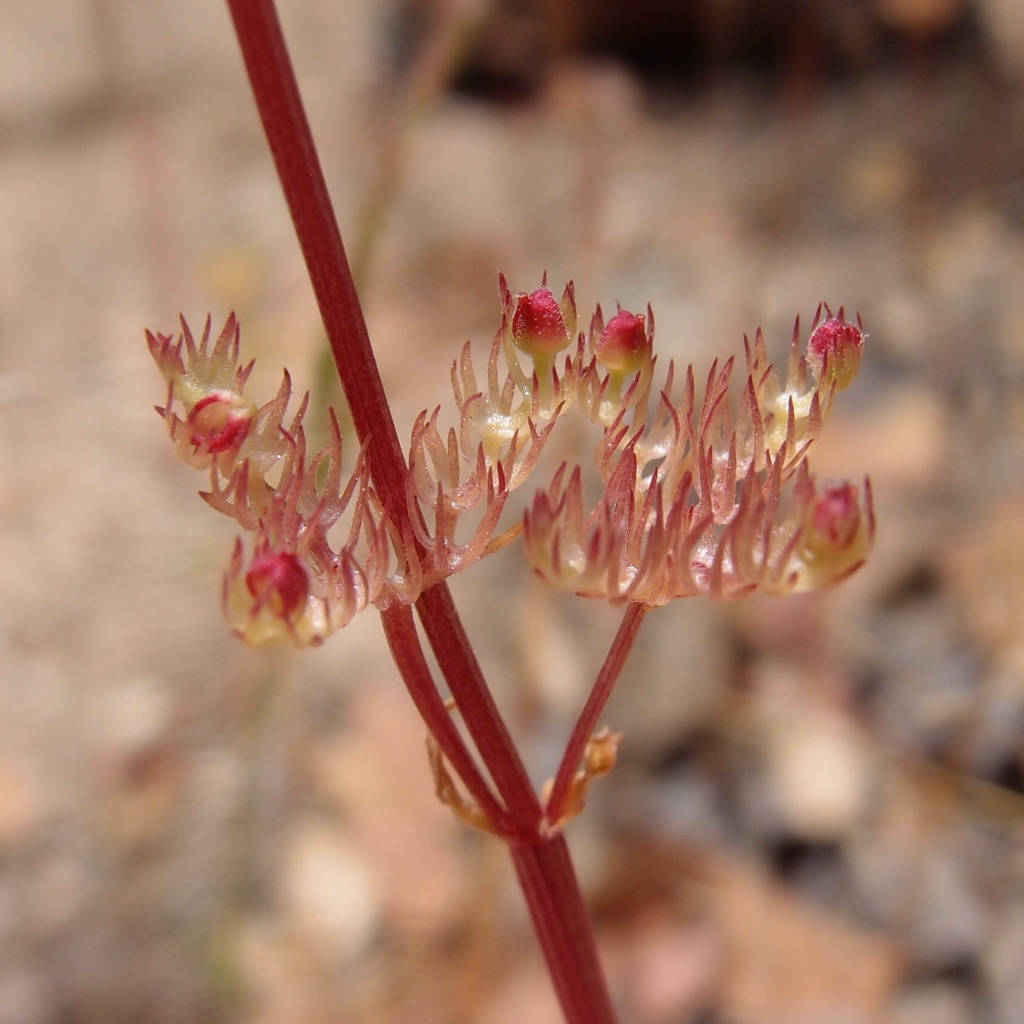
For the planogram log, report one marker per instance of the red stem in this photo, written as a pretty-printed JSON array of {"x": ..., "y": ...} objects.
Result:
[
  {"x": 460, "y": 668},
  {"x": 302, "y": 180},
  {"x": 548, "y": 881},
  {"x": 588, "y": 718},
  {"x": 407, "y": 653}
]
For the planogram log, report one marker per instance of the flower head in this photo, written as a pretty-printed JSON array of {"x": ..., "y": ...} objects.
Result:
[
  {"x": 298, "y": 582},
  {"x": 700, "y": 492},
  {"x": 702, "y": 495},
  {"x": 837, "y": 532},
  {"x": 268, "y": 600},
  {"x": 219, "y": 422}
]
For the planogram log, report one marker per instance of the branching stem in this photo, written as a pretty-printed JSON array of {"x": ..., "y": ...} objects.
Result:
[
  {"x": 463, "y": 674},
  {"x": 591, "y": 713},
  {"x": 403, "y": 641}
]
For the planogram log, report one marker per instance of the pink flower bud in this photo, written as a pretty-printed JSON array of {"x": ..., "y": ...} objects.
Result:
[
  {"x": 220, "y": 422},
  {"x": 838, "y": 533},
  {"x": 539, "y": 324},
  {"x": 279, "y": 583},
  {"x": 835, "y": 350},
  {"x": 624, "y": 344},
  {"x": 835, "y": 516}
]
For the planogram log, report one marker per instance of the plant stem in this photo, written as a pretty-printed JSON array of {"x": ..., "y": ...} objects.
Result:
[
  {"x": 403, "y": 641},
  {"x": 302, "y": 180},
  {"x": 548, "y": 881},
  {"x": 461, "y": 669},
  {"x": 588, "y": 718},
  {"x": 542, "y": 862}
]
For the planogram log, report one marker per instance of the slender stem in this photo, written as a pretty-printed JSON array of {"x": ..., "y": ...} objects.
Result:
[
  {"x": 588, "y": 718},
  {"x": 461, "y": 669},
  {"x": 400, "y": 631},
  {"x": 302, "y": 180},
  {"x": 548, "y": 881}
]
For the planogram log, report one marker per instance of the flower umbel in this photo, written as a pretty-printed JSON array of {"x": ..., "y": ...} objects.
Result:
[
  {"x": 298, "y": 585},
  {"x": 701, "y": 492},
  {"x": 709, "y": 489},
  {"x": 708, "y": 497}
]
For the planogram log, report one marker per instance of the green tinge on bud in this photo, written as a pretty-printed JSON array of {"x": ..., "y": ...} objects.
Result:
[
  {"x": 835, "y": 349},
  {"x": 542, "y": 326},
  {"x": 624, "y": 346}
]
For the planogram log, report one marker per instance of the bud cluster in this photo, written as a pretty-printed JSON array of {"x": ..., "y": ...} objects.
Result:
[
  {"x": 710, "y": 496},
  {"x": 290, "y": 585},
  {"x": 695, "y": 497},
  {"x": 503, "y": 427},
  {"x": 704, "y": 493}
]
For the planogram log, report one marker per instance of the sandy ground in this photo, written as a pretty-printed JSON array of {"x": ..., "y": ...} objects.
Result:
[{"x": 819, "y": 814}]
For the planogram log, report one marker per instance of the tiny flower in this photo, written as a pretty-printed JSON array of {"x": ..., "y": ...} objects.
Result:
[
  {"x": 624, "y": 345},
  {"x": 196, "y": 370},
  {"x": 206, "y": 413},
  {"x": 279, "y": 582},
  {"x": 542, "y": 326},
  {"x": 270, "y": 603},
  {"x": 839, "y": 529},
  {"x": 619, "y": 377},
  {"x": 835, "y": 348},
  {"x": 219, "y": 422}
]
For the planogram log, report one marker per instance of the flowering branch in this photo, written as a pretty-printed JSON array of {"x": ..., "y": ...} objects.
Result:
[
  {"x": 699, "y": 493},
  {"x": 700, "y": 496}
]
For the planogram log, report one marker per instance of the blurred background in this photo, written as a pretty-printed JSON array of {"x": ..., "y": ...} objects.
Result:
[{"x": 819, "y": 809}]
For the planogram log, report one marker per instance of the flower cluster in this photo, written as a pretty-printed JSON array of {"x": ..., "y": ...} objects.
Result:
[
  {"x": 700, "y": 493},
  {"x": 708, "y": 497},
  {"x": 290, "y": 584},
  {"x": 504, "y": 426}
]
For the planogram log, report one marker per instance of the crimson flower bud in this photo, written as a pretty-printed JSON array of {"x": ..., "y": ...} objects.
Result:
[
  {"x": 220, "y": 422},
  {"x": 278, "y": 581},
  {"x": 835, "y": 517},
  {"x": 539, "y": 324},
  {"x": 624, "y": 345},
  {"x": 838, "y": 532},
  {"x": 834, "y": 349}
]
